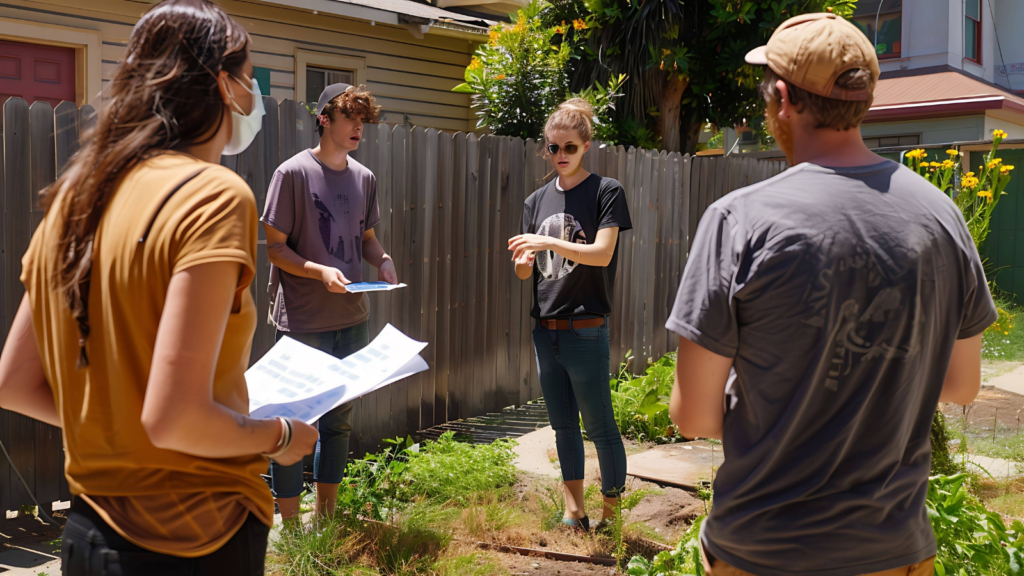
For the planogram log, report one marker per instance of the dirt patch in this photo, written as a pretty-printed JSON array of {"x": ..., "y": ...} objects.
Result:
[
  {"x": 669, "y": 513},
  {"x": 523, "y": 565},
  {"x": 992, "y": 405}
]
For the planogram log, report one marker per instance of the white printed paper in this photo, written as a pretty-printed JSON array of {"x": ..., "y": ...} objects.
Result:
[
  {"x": 303, "y": 383},
  {"x": 357, "y": 287}
]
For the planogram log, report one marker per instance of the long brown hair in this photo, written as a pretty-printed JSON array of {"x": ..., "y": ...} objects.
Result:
[{"x": 164, "y": 95}]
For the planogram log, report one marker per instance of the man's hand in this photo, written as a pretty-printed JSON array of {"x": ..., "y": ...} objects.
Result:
[
  {"x": 387, "y": 272},
  {"x": 334, "y": 280}
]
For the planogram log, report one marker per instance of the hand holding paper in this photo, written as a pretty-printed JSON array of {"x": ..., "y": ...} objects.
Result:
[{"x": 303, "y": 383}]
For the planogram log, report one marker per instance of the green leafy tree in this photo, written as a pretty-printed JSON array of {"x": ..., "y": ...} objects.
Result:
[{"x": 684, "y": 58}]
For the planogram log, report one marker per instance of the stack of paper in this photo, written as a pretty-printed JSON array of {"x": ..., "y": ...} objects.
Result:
[{"x": 303, "y": 383}]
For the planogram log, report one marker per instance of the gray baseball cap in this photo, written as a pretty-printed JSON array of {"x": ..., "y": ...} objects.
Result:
[{"x": 330, "y": 93}]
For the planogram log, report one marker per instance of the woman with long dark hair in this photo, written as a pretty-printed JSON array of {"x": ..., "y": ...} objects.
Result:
[
  {"x": 569, "y": 248},
  {"x": 135, "y": 330}
]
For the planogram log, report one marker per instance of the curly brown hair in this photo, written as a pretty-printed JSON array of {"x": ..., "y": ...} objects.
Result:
[{"x": 353, "y": 103}]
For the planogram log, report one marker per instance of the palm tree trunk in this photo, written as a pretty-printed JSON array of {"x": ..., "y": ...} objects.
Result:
[{"x": 668, "y": 109}]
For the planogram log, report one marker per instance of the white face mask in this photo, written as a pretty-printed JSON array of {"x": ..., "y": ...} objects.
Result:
[{"x": 244, "y": 127}]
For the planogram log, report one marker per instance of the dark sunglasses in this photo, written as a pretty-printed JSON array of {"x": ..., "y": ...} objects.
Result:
[{"x": 570, "y": 149}]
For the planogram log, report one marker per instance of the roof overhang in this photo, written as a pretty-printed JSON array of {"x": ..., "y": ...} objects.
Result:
[
  {"x": 943, "y": 109},
  {"x": 419, "y": 18},
  {"x": 939, "y": 92}
]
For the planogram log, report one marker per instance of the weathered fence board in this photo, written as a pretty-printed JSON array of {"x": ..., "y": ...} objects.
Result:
[{"x": 448, "y": 205}]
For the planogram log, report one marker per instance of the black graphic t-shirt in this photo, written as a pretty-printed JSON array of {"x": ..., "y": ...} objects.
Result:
[
  {"x": 838, "y": 293},
  {"x": 563, "y": 288}
]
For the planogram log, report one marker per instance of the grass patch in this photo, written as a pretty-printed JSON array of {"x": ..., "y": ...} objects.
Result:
[
  {"x": 1004, "y": 340},
  {"x": 414, "y": 498}
]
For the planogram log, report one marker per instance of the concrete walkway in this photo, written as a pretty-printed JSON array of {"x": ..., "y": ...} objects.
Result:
[
  {"x": 535, "y": 452},
  {"x": 1010, "y": 382}
]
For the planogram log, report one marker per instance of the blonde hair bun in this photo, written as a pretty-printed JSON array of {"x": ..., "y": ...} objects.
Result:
[{"x": 575, "y": 114}]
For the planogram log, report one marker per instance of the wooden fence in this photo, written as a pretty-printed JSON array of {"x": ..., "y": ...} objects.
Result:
[{"x": 449, "y": 203}]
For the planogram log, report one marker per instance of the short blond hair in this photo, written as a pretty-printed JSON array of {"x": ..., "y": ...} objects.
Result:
[{"x": 575, "y": 114}]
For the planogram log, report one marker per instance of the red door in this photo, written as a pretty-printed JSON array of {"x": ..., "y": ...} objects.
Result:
[{"x": 37, "y": 72}]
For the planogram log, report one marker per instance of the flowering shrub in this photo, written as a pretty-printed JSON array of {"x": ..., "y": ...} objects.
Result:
[
  {"x": 521, "y": 75},
  {"x": 976, "y": 194}
]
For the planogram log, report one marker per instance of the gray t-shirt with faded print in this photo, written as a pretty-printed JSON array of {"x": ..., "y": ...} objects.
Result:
[
  {"x": 324, "y": 212},
  {"x": 839, "y": 294}
]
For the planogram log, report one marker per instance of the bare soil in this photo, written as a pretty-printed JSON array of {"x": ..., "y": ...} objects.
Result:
[
  {"x": 992, "y": 405},
  {"x": 669, "y": 513}
]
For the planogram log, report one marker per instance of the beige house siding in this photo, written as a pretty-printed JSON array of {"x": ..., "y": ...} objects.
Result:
[{"x": 412, "y": 79}]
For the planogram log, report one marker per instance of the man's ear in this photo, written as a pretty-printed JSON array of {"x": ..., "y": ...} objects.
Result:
[
  {"x": 325, "y": 120},
  {"x": 786, "y": 108},
  {"x": 586, "y": 147}
]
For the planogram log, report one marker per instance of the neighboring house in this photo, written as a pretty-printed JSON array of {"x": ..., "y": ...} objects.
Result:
[
  {"x": 952, "y": 70},
  {"x": 409, "y": 54}
]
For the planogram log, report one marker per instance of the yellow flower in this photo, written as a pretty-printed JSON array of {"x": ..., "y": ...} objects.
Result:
[
  {"x": 969, "y": 175},
  {"x": 919, "y": 153},
  {"x": 994, "y": 163},
  {"x": 1004, "y": 170},
  {"x": 952, "y": 152},
  {"x": 948, "y": 164},
  {"x": 969, "y": 182},
  {"x": 579, "y": 24},
  {"x": 559, "y": 30},
  {"x": 494, "y": 35},
  {"x": 475, "y": 64},
  {"x": 936, "y": 164},
  {"x": 499, "y": 77},
  {"x": 998, "y": 135},
  {"x": 986, "y": 194}
]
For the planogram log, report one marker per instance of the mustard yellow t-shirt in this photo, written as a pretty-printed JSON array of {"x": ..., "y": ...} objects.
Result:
[{"x": 161, "y": 500}]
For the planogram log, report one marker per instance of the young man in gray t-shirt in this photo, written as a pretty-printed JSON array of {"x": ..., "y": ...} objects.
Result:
[
  {"x": 319, "y": 217},
  {"x": 823, "y": 315}
]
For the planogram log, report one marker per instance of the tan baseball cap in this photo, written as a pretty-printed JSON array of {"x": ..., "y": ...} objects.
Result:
[{"x": 811, "y": 51}]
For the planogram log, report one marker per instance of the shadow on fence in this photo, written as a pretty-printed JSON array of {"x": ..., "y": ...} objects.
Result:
[{"x": 449, "y": 203}]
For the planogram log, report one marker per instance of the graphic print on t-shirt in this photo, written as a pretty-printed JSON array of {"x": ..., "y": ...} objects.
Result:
[
  {"x": 563, "y": 227},
  {"x": 325, "y": 221}
]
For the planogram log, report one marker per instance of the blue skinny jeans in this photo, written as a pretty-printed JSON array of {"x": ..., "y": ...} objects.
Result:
[{"x": 574, "y": 376}]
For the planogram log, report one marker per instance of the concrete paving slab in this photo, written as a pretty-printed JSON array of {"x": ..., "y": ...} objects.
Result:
[
  {"x": 997, "y": 467},
  {"x": 1011, "y": 382},
  {"x": 535, "y": 452},
  {"x": 685, "y": 465}
]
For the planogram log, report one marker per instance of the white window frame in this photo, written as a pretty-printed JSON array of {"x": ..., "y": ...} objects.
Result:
[{"x": 305, "y": 58}]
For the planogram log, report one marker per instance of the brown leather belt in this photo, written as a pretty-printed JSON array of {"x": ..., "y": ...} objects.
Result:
[{"x": 564, "y": 324}]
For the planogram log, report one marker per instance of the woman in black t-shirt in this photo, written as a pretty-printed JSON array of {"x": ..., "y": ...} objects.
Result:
[{"x": 569, "y": 247}]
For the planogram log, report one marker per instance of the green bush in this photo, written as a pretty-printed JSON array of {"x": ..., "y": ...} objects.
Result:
[
  {"x": 683, "y": 560},
  {"x": 972, "y": 540},
  {"x": 448, "y": 471},
  {"x": 445, "y": 471},
  {"x": 641, "y": 404},
  {"x": 943, "y": 463},
  {"x": 521, "y": 75}
]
